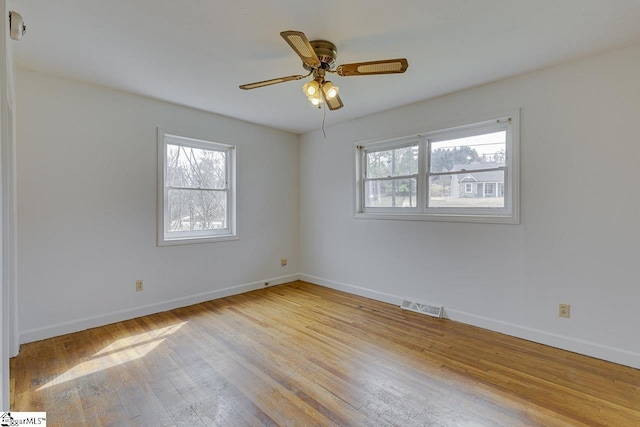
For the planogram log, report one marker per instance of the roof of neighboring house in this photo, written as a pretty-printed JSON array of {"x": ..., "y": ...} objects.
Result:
[{"x": 487, "y": 176}]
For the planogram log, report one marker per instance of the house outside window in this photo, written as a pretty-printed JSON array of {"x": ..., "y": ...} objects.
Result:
[
  {"x": 196, "y": 190},
  {"x": 467, "y": 173}
]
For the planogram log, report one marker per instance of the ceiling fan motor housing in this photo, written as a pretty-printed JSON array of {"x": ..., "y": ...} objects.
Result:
[{"x": 326, "y": 52}]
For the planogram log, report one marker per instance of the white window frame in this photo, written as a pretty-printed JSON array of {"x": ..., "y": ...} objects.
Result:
[
  {"x": 509, "y": 214},
  {"x": 168, "y": 238},
  {"x": 402, "y": 143}
]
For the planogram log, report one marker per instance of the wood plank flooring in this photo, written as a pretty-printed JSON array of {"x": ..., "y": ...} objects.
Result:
[{"x": 304, "y": 355}]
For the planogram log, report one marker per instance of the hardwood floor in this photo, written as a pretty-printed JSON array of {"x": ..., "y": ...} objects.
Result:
[{"x": 300, "y": 354}]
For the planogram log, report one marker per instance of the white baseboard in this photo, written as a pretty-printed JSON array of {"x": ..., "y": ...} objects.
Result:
[
  {"x": 356, "y": 290},
  {"x": 588, "y": 348},
  {"x": 118, "y": 316}
]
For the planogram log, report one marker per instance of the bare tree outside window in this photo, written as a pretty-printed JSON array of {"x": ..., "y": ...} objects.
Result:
[
  {"x": 196, "y": 191},
  {"x": 197, "y": 194}
]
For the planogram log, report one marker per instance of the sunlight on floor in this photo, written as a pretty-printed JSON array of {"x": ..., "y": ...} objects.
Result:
[{"x": 120, "y": 352}]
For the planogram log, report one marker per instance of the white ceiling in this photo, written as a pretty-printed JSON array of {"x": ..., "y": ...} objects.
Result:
[{"x": 197, "y": 52}]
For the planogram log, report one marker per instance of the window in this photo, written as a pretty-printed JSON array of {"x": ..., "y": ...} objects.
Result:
[
  {"x": 467, "y": 173},
  {"x": 391, "y": 177},
  {"x": 468, "y": 187},
  {"x": 196, "y": 200}
]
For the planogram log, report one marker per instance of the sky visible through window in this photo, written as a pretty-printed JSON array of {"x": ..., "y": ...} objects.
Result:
[{"x": 486, "y": 145}]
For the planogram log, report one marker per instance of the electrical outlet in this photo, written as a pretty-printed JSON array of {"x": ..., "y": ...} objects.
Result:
[
  {"x": 564, "y": 310},
  {"x": 139, "y": 285},
  {"x": 283, "y": 261}
]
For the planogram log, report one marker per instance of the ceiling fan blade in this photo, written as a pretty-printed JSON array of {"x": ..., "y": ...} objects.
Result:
[
  {"x": 334, "y": 103},
  {"x": 385, "y": 66},
  {"x": 270, "y": 82},
  {"x": 300, "y": 44}
]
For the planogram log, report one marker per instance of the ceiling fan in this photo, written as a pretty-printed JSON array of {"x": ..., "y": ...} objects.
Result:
[{"x": 319, "y": 57}]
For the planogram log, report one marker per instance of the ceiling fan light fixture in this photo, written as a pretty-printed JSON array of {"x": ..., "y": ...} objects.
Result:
[
  {"x": 315, "y": 100},
  {"x": 311, "y": 89},
  {"x": 330, "y": 90}
]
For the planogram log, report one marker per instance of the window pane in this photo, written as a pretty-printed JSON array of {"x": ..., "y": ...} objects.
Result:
[
  {"x": 467, "y": 190},
  {"x": 396, "y": 162},
  {"x": 197, "y": 210},
  {"x": 399, "y": 193},
  {"x": 195, "y": 167},
  {"x": 487, "y": 150}
]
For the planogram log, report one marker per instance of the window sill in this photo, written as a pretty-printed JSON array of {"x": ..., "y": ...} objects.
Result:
[
  {"x": 197, "y": 240},
  {"x": 481, "y": 219}
]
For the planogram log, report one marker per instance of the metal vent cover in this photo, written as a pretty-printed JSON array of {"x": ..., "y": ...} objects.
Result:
[{"x": 422, "y": 307}]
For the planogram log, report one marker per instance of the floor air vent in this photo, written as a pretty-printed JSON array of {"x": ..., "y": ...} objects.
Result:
[{"x": 421, "y": 307}]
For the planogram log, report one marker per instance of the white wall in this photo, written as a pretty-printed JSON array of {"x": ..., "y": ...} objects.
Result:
[
  {"x": 578, "y": 239},
  {"x": 87, "y": 208}
]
